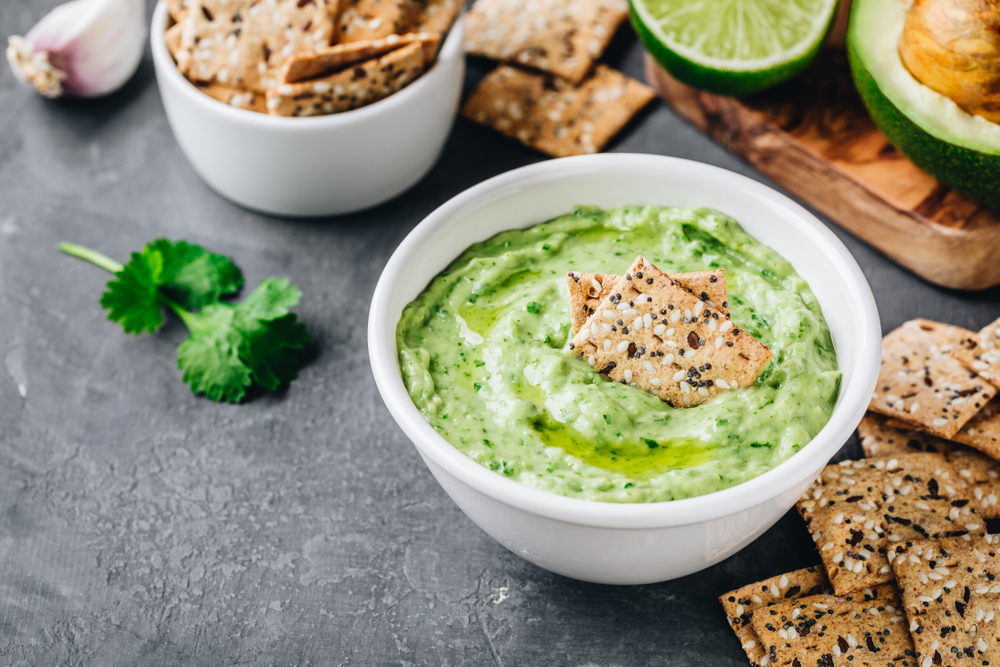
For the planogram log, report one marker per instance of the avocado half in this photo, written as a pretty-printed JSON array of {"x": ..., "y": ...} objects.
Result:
[{"x": 958, "y": 149}]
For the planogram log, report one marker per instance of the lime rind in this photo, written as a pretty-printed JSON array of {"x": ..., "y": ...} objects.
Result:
[{"x": 742, "y": 47}]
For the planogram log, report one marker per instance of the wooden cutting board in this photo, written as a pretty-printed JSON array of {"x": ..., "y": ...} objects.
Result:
[{"x": 813, "y": 136}]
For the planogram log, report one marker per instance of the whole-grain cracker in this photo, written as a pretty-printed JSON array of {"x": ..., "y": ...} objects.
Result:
[
  {"x": 741, "y": 603},
  {"x": 862, "y": 629},
  {"x": 587, "y": 290},
  {"x": 983, "y": 430},
  {"x": 554, "y": 116},
  {"x": 177, "y": 8},
  {"x": 652, "y": 334},
  {"x": 364, "y": 20},
  {"x": 172, "y": 38},
  {"x": 951, "y": 594},
  {"x": 247, "y": 42},
  {"x": 881, "y": 436},
  {"x": 435, "y": 15},
  {"x": 562, "y": 37},
  {"x": 235, "y": 97},
  {"x": 334, "y": 58},
  {"x": 921, "y": 383},
  {"x": 981, "y": 352},
  {"x": 356, "y": 86},
  {"x": 857, "y": 510}
]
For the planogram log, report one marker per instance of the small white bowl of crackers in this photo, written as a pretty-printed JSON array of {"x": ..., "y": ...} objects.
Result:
[
  {"x": 309, "y": 107},
  {"x": 907, "y": 572}
]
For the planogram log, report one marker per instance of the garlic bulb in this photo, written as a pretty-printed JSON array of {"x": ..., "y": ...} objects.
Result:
[{"x": 84, "y": 48}]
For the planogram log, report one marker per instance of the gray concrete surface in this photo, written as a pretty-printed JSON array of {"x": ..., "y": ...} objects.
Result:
[{"x": 141, "y": 525}]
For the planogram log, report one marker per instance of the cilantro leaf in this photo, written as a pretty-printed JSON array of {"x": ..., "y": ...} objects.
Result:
[
  {"x": 167, "y": 271},
  {"x": 271, "y": 300},
  {"x": 132, "y": 298},
  {"x": 233, "y": 345},
  {"x": 210, "y": 356},
  {"x": 192, "y": 276}
]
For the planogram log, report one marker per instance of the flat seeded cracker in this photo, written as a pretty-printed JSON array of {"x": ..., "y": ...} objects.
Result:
[
  {"x": 981, "y": 353},
  {"x": 857, "y": 510},
  {"x": 862, "y": 629},
  {"x": 172, "y": 37},
  {"x": 354, "y": 87},
  {"x": 235, "y": 97},
  {"x": 951, "y": 594},
  {"x": 362, "y": 20},
  {"x": 741, "y": 603},
  {"x": 983, "y": 430},
  {"x": 978, "y": 472},
  {"x": 554, "y": 116},
  {"x": 563, "y": 37},
  {"x": 653, "y": 334},
  {"x": 587, "y": 290},
  {"x": 334, "y": 58},
  {"x": 921, "y": 383},
  {"x": 435, "y": 15},
  {"x": 247, "y": 42},
  {"x": 879, "y": 437},
  {"x": 177, "y": 8}
]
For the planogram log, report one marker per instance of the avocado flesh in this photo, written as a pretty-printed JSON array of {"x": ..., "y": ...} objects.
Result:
[{"x": 959, "y": 149}]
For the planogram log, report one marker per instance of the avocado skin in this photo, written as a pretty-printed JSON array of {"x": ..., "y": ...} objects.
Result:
[
  {"x": 728, "y": 84},
  {"x": 968, "y": 171}
]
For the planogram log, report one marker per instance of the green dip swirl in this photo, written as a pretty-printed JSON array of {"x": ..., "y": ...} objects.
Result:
[{"x": 482, "y": 354}]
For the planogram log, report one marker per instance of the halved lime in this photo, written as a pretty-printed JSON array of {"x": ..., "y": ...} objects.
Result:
[{"x": 733, "y": 47}]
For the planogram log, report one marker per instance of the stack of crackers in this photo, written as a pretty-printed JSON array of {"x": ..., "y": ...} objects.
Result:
[
  {"x": 305, "y": 57},
  {"x": 549, "y": 94},
  {"x": 670, "y": 335},
  {"x": 909, "y": 576}
]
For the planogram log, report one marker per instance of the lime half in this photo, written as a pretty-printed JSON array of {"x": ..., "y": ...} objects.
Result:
[{"x": 733, "y": 47}]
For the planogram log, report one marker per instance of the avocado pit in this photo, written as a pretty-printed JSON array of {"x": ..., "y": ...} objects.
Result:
[{"x": 953, "y": 48}]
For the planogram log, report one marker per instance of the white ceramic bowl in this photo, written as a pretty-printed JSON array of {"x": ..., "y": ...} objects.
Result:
[
  {"x": 321, "y": 165},
  {"x": 627, "y": 543}
]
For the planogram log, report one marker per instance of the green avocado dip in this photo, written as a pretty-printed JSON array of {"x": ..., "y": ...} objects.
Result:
[{"x": 482, "y": 353}]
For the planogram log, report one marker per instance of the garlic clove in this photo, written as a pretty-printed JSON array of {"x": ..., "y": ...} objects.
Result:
[{"x": 84, "y": 48}]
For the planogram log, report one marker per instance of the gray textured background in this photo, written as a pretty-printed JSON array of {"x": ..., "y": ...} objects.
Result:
[{"x": 141, "y": 525}]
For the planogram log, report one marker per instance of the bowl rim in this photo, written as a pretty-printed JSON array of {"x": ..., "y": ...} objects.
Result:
[
  {"x": 852, "y": 404},
  {"x": 168, "y": 74}
]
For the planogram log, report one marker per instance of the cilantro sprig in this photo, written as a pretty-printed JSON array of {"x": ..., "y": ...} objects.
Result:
[{"x": 232, "y": 346}]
